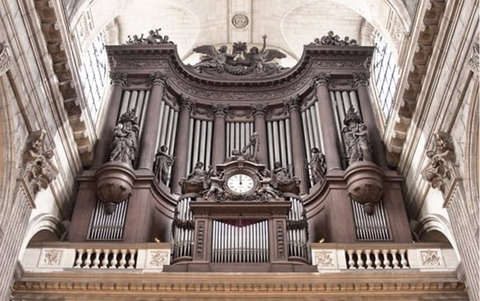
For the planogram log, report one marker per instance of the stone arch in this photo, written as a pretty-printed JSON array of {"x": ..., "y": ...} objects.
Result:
[
  {"x": 435, "y": 225},
  {"x": 472, "y": 152},
  {"x": 43, "y": 222}
]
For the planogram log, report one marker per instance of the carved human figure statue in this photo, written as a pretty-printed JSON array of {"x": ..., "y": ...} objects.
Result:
[
  {"x": 266, "y": 189},
  {"x": 253, "y": 143},
  {"x": 125, "y": 139},
  {"x": 198, "y": 175},
  {"x": 356, "y": 138},
  {"x": 215, "y": 181},
  {"x": 162, "y": 163},
  {"x": 317, "y": 165}
]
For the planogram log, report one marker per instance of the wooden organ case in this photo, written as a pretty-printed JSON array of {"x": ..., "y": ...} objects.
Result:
[{"x": 239, "y": 165}]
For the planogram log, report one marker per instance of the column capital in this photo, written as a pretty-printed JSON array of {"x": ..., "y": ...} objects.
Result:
[
  {"x": 361, "y": 78},
  {"x": 187, "y": 104},
  {"x": 259, "y": 110},
  {"x": 322, "y": 78},
  {"x": 118, "y": 78},
  {"x": 219, "y": 110},
  {"x": 293, "y": 104},
  {"x": 158, "y": 78},
  {"x": 5, "y": 61}
]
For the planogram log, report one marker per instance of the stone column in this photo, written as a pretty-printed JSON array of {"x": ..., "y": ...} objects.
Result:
[
  {"x": 293, "y": 105},
  {"x": 106, "y": 135},
  {"x": 327, "y": 118},
  {"x": 259, "y": 112},
  {"x": 220, "y": 111},
  {"x": 179, "y": 170},
  {"x": 378, "y": 154},
  {"x": 150, "y": 127}
]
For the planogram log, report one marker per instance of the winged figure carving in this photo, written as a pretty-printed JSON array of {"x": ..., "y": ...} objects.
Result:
[{"x": 239, "y": 61}]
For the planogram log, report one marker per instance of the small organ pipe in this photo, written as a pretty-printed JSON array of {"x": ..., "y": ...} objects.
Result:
[
  {"x": 270, "y": 144},
  {"x": 190, "y": 145},
  {"x": 283, "y": 147},
  {"x": 276, "y": 149},
  {"x": 317, "y": 121}
]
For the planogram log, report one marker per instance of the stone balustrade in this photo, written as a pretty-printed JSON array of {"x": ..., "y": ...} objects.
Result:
[
  {"x": 49, "y": 257},
  {"x": 330, "y": 257}
]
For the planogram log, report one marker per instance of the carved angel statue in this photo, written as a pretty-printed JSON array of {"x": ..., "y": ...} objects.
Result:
[
  {"x": 266, "y": 190},
  {"x": 239, "y": 62},
  {"x": 212, "y": 57},
  {"x": 260, "y": 59},
  {"x": 215, "y": 181}
]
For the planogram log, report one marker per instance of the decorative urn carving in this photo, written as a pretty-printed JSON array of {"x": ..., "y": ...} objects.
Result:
[
  {"x": 114, "y": 184},
  {"x": 365, "y": 184}
]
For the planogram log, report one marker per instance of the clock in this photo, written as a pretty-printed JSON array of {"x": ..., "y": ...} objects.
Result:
[{"x": 240, "y": 183}]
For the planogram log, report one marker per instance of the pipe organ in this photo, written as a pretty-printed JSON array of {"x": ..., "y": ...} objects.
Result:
[{"x": 239, "y": 165}]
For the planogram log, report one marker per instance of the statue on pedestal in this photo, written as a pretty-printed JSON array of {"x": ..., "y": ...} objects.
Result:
[
  {"x": 318, "y": 166},
  {"x": 124, "y": 143},
  {"x": 162, "y": 163},
  {"x": 356, "y": 136}
]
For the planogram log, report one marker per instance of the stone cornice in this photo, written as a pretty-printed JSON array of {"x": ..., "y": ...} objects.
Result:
[
  {"x": 412, "y": 87},
  {"x": 122, "y": 285},
  {"x": 140, "y": 59}
]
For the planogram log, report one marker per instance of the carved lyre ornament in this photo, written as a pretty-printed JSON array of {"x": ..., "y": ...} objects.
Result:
[{"x": 37, "y": 171}]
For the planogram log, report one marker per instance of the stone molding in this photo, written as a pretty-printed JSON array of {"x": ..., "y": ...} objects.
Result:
[
  {"x": 5, "y": 61},
  {"x": 71, "y": 93},
  {"x": 409, "y": 96}
]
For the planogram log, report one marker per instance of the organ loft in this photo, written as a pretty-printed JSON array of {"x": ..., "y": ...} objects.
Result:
[{"x": 238, "y": 163}]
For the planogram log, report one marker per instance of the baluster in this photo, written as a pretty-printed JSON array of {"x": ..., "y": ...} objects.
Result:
[
  {"x": 386, "y": 262},
  {"x": 131, "y": 261},
  {"x": 369, "y": 260},
  {"x": 96, "y": 260},
  {"x": 359, "y": 259},
  {"x": 378, "y": 262},
  {"x": 403, "y": 260},
  {"x": 123, "y": 260},
  {"x": 351, "y": 262},
  {"x": 79, "y": 261},
  {"x": 113, "y": 262},
  {"x": 105, "y": 258},
  {"x": 88, "y": 261},
  {"x": 394, "y": 259}
]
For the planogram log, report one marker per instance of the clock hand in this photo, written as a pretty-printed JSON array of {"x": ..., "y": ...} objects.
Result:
[{"x": 240, "y": 179}]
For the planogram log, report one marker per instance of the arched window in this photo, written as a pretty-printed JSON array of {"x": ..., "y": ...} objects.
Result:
[
  {"x": 93, "y": 75},
  {"x": 386, "y": 75}
]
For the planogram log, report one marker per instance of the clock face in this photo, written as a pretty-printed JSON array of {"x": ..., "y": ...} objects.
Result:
[{"x": 240, "y": 183}]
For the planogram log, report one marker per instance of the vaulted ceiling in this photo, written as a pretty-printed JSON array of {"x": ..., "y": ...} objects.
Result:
[{"x": 288, "y": 24}]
